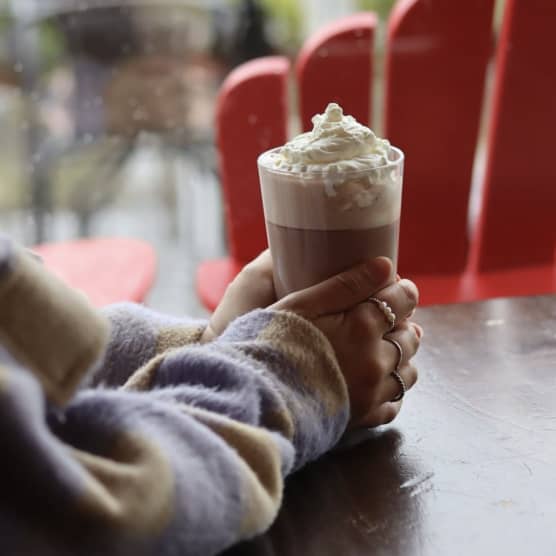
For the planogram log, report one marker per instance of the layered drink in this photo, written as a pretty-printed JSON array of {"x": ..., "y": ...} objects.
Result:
[{"x": 332, "y": 199}]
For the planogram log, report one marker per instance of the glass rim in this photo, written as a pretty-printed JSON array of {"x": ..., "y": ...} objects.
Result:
[{"x": 319, "y": 173}]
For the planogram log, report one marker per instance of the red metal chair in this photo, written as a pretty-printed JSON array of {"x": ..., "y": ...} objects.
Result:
[
  {"x": 436, "y": 59},
  {"x": 106, "y": 270}
]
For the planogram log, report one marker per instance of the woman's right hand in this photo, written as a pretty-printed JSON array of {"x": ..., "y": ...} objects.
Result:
[{"x": 357, "y": 328}]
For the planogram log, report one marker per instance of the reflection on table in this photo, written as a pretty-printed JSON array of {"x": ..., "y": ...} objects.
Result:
[{"x": 468, "y": 468}]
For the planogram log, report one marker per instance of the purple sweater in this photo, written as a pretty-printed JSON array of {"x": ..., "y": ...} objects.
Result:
[{"x": 121, "y": 434}]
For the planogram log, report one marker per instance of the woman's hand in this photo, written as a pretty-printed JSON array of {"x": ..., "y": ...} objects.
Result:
[
  {"x": 252, "y": 288},
  {"x": 356, "y": 328}
]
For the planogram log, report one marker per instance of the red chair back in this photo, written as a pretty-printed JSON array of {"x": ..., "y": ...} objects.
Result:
[
  {"x": 336, "y": 65},
  {"x": 251, "y": 117},
  {"x": 518, "y": 226},
  {"x": 436, "y": 58},
  {"x": 437, "y": 53}
]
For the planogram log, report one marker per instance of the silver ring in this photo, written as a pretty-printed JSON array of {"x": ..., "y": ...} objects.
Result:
[
  {"x": 389, "y": 315},
  {"x": 398, "y": 346},
  {"x": 395, "y": 373},
  {"x": 403, "y": 387}
]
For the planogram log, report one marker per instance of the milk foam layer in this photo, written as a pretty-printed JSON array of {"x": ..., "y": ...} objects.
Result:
[{"x": 339, "y": 176}]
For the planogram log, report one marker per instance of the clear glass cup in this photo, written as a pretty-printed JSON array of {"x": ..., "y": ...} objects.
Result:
[{"x": 320, "y": 224}]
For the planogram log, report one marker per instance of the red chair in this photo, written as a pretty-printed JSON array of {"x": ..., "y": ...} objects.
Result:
[
  {"x": 436, "y": 60},
  {"x": 251, "y": 118},
  {"x": 106, "y": 270},
  {"x": 458, "y": 260},
  {"x": 336, "y": 65}
]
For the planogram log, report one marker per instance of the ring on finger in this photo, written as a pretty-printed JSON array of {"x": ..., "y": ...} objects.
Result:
[
  {"x": 395, "y": 373},
  {"x": 386, "y": 310},
  {"x": 403, "y": 388}
]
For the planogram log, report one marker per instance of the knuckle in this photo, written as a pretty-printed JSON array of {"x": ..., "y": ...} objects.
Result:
[
  {"x": 367, "y": 320},
  {"x": 371, "y": 375},
  {"x": 362, "y": 321}
]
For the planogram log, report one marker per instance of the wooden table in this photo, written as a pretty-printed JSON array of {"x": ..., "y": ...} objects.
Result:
[{"x": 469, "y": 467}]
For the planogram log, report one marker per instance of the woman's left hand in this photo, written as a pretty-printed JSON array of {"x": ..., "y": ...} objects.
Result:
[{"x": 252, "y": 288}]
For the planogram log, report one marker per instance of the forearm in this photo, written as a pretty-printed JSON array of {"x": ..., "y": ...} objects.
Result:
[
  {"x": 198, "y": 459},
  {"x": 191, "y": 452}
]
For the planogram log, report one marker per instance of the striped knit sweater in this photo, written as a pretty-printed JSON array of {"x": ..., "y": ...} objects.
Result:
[{"x": 121, "y": 434}]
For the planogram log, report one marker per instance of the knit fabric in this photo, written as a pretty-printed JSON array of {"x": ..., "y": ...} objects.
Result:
[{"x": 121, "y": 434}]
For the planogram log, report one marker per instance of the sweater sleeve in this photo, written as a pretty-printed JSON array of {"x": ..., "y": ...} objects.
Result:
[
  {"x": 187, "y": 457},
  {"x": 137, "y": 334}
]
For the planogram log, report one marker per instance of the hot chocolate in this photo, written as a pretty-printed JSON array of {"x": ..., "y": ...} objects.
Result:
[
  {"x": 310, "y": 256},
  {"x": 332, "y": 199}
]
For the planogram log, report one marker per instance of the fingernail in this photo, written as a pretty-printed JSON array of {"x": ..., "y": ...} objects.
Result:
[
  {"x": 418, "y": 330},
  {"x": 411, "y": 290},
  {"x": 398, "y": 277}
]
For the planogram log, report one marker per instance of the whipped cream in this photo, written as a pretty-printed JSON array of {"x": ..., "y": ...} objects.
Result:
[
  {"x": 339, "y": 176},
  {"x": 336, "y": 144}
]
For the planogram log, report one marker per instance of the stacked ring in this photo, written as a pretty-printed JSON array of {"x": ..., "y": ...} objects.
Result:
[
  {"x": 389, "y": 315},
  {"x": 396, "y": 372}
]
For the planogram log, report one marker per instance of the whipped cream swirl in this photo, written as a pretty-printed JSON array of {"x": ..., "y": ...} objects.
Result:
[{"x": 337, "y": 143}]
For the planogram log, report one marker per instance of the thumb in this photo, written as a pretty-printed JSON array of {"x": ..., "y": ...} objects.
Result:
[{"x": 341, "y": 292}]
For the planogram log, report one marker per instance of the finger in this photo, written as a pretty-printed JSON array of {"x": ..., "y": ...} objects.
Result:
[
  {"x": 262, "y": 265},
  {"x": 381, "y": 415},
  {"x": 408, "y": 341},
  {"x": 418, "y": 329},
  {"x": 252, "y": 288},
  {"x": 402, "y": 297},
  {"x": 341, "y": 292},
  {"x": 390, "y": 387}
]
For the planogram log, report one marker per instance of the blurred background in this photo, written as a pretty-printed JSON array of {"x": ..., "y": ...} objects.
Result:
[{"x": 106, "y": 118}]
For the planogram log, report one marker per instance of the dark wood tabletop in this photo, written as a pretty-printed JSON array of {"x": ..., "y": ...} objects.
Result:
[{"x": 468, "y": 468}]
